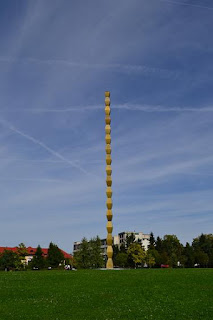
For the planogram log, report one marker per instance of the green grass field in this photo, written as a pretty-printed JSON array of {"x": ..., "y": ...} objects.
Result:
[{"x": 95, "y": 294}]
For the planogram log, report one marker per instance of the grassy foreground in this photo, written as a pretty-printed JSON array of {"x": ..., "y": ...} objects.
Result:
[{"x": 95, "y": 294}]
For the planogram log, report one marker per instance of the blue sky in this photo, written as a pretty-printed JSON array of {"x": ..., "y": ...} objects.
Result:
[{"x": 56, "y": 60}]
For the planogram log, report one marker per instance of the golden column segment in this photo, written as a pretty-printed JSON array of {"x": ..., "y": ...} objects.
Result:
[{"x": 109, "y": 227}]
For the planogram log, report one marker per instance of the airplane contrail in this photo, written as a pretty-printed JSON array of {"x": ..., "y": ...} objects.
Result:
[
  {"x": 32, "y": 160},
  {"x": 150, "y": 108},
  {"x": 187, "y": 4},
  {"x": 127, "y": 68},
  {"x": 130, "y": 107},
  {"x": 36, "y": 180},
  {"x": 41, "y": 144}
]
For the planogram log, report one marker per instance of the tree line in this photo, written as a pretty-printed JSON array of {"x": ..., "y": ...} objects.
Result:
[
  {"x": 10, "y": 260},
  {"x": 89, "y": 255},
  {"x": 166, "y": 251}
]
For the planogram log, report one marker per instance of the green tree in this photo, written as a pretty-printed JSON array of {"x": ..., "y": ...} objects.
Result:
[
  {"x": 95, "y": 253},
  {"x": 189, "y": 255},
  {"x": 22, "y": 253},
  {"x": 123, "y": 248},
  {"x": 115, "y": 252},
  {"x": 159, "y": 245},
  {"x": 136, "y": 253},
  {"x": 154, "y": 253},
  {"x": 204, "y": 243},
  {"x": 38, "y": 259},
  {"x": 121, "y": 260},
  {"x": 173, "y": 260},
  {"x": 201, "y": 258},
  {"x": 173, "y": 248},
  {"x": 164, "y": 258},
  {"x": 55, "y": 256},
  {"x": 149, "y": 259},
  {"x": 130, "y": 238},
  {"x": 152, "y": 241},
  {"x": 90, "y": 254},
  {"x": 9, "y": 260},
  {"x": 82, "y": 257}
]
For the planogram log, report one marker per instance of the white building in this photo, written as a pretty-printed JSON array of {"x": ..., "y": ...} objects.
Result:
[
  {"x": 139, "y": 237},
  {"x": 76, "y": 246},
  {"x": 120, "y": 239}
]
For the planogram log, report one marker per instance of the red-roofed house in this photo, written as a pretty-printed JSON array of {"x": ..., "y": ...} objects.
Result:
[{"x": 31, "y": 252}]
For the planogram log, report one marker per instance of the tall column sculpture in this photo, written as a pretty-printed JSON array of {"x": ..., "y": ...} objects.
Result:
[{"x": 109, "y": 227}]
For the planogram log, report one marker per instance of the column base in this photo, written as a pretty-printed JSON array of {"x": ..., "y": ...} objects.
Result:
[{"x": 109, "y": 264}]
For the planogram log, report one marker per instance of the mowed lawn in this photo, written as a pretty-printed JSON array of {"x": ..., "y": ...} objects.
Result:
[{"x": 95, "y": 294}]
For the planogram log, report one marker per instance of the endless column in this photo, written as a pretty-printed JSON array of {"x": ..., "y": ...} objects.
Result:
[{"x": 109, "y": 227}]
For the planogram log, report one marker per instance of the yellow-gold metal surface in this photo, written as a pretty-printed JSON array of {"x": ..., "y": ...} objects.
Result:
[{"x": 109, "y": 226}]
